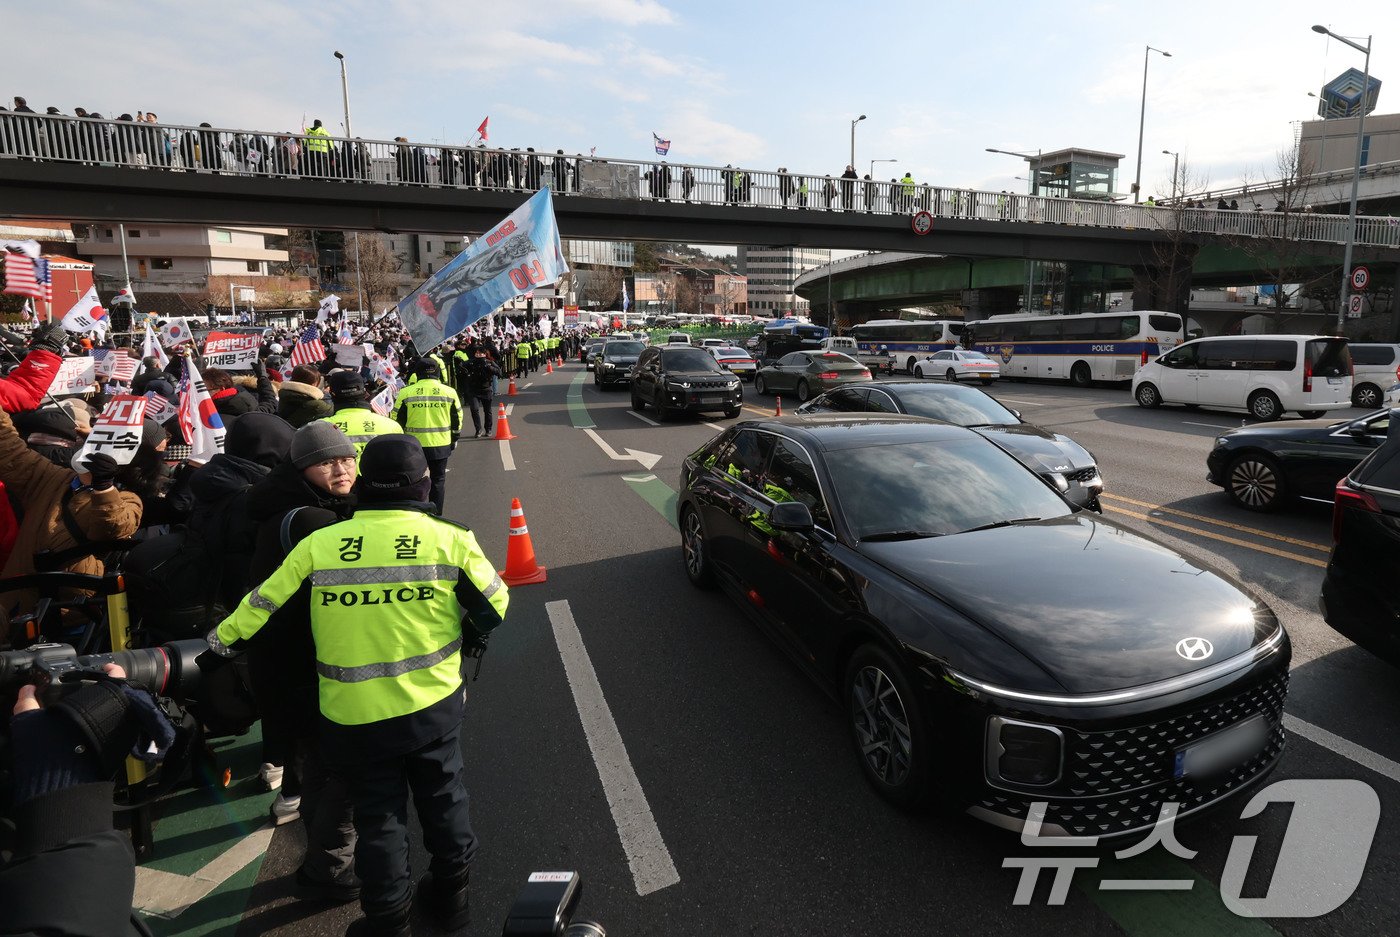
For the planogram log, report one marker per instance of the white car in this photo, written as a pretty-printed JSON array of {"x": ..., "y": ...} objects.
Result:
[
  {"x": 956, "y": 365},
  {"x": 1392, "y": 396},
  {"x": 714, "y": 343},
  {"x": 735, "y": 360}
]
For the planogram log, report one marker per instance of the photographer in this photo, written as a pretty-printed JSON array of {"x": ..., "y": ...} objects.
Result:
[{"x": 63, "y": 769}]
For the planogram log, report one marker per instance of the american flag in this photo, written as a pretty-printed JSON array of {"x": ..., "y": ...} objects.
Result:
[
  {"x": 20, "y": 277},
  {"x": 44, "y": 275},
  {"x": 308, "y": 349}
]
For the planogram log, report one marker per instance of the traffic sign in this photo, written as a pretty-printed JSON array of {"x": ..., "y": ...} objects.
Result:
[
  {"x": 1354, "y": 307},
  {"x": 922, "y": 223},
  {"x": 1360, "y": 277}
]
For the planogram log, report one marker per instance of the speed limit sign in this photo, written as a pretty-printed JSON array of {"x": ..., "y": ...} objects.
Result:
[{"x": 1360, "y": 277}]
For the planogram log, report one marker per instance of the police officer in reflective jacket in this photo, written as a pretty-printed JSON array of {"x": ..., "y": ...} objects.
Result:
[
  {"x": 395, "y": 596},
  {"x": 431, "y": 412}
]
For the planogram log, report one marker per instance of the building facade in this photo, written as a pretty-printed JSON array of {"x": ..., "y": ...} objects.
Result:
[
  {"x": 771, "y": 272},
  {"x": 171, "y": 258}
]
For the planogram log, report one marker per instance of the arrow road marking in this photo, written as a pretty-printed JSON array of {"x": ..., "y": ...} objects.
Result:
[{"x": 647, "y": 459}]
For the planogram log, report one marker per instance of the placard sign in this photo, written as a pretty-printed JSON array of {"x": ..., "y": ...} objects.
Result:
[
  {"x": 230, "y": 351},
  {"x": 348, "y": 356},
  {"x": 117, "y": 431},
  {"x": 75, "y": 376}
]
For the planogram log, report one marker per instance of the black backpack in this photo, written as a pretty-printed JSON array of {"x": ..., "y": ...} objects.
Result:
[{"x": 173, "y": 583}]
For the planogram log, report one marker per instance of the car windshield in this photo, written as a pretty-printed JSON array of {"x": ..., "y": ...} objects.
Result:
[
  {"x": 974, "y": 356},
  {"x": 731, "y": 352},
  {"x": 615, "y": 349},
  {"x": 965, "y": 406},
  {"x": 934, "y": 488},
  {"x": 689, "y": 359},
  {"x": 834, "y": 359}
]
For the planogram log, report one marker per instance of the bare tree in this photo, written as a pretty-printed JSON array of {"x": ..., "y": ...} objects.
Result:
[
  {"x": 376, "y": 270},
  {"x": 665, "y": 286},
  {"x": 687, "y": 297},
  {"x": 601, "y": 285},
  {"x": 1173, "y": 254}
]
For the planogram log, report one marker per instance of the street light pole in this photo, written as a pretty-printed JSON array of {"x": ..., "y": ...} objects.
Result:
[
  {"x": 1033, "y": 160},
  {"x": 874, "y": 161},
  {"x": 853, "y": 139},
  {"x": 1355, "y": 172},
  {"x": 1176, "y": 160},
  {"x": 345, "y": 97},
  {"x": 1142, "y": 117}
]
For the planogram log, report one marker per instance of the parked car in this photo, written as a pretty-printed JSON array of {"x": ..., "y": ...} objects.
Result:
[
  {"x": 713, "y": 342},
  {"x": 1262, "y": 468},
  {"x": 992, "y": 647},
  {"x": 847, "y": 346},
  {"x": 956, "y": 365},
  {"x": 680, "y": 379},
  {"x": 615, "y": 362},
  {"x": 678, "y": 338},
  {"x": 734, "y": 359},
  {"x": 1375, "y": 367},
  {"x": 1062, "y": 462},
  {"x": 1359, "y": 599},
  {"x": 808, "y": 373},
  {"x": 1266, "y": 375}
]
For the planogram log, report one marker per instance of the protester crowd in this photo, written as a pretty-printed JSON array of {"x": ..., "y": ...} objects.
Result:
[{"x": 319, "y": 431}]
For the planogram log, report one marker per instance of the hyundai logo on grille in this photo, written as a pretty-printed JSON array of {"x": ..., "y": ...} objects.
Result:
[{"x": 1194, "y": 648}]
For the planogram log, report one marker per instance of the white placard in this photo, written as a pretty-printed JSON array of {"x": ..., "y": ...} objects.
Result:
[
  {"x": 117, "y": 431},
  {"x": 75, "y": 376}
]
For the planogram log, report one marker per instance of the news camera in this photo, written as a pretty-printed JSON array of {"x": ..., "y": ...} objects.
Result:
[
  {"x": 168, "y": 670},
  {"x": 545, "y": 907}
]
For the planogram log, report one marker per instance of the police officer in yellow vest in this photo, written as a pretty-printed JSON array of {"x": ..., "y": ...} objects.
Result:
[
  {"x": 318, "y": 149},
  {"x": 353, "y": 413},
  {"x": 431, "y": 412},
  {"x": 395, "y": 595}
]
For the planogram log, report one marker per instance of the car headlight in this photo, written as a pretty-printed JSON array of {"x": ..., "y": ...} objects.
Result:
[
  {"x": 678, "y": 385},
  {"x": 1220, "y": 441},
  {"x": 1058, "y": 480},
  {"x": 609, "y": 365},
  {"x": 1023, "y": 753},
  {"x": 733, "y": 385}
]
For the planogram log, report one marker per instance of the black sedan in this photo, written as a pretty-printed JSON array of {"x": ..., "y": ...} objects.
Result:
[
  {"x": 1054, "y": 456},
  {"x": 614, "y": 363},
  {"x": 1262, "y": 467},
  {"x": 991, "y": 645}
]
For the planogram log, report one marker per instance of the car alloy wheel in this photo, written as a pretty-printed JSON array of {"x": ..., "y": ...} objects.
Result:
[
  {"x": 918, "y": 370},
  {"x": 693, "y": 548},
  {"x": 889, "y": 735},
  {"x": 804, "y": 393},
  {"x": 951, "y": 375},
  {"x": 1265, "y": 406},
  {"x": 1366, "y": 396},
  {"x": 760, "y": 386},
  {"x": 660, "y": 404},
  {"x": 1254, "y": 483},
  {"x": 1147, "y": 396}
]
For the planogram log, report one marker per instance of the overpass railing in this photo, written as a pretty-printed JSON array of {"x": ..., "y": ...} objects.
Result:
[{"x": 300, "y": 156}]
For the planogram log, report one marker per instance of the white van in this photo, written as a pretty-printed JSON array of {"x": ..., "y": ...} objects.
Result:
[
  {"x": 1264, "y": 374},
  {"x": 1375, "y": 367}
]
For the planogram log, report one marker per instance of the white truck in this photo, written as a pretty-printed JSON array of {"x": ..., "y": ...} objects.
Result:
[{"x": 847, "y": 346}]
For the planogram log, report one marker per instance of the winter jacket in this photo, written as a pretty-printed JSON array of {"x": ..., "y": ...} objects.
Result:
[
  {"x": 39, "y": 485},
  {"x": 299, "y": 403},
  {"x": 220, "y": 517},
  {"x": 233, "y": 402},
  {"x": 25, "y": 386}
]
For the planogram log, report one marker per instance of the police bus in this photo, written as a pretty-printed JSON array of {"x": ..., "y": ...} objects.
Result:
[
  {"x": 905, "y": 340},
  {"x": 1076, "y": 348}
]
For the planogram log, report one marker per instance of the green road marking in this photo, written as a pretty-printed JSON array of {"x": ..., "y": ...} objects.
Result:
[
  {"x": 578, "y": 410},
  {"x": 1199, "y": 912},
  {"x": 198, "y": 825},
  {"x": 657, "y": 493}
]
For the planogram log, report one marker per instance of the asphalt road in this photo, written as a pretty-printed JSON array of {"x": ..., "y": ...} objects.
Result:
[{"x": 702, "y": 785}]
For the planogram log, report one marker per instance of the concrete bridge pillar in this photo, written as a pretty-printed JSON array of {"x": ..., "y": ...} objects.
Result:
[
  {"x": 989, "y": 301},
  {"x": 1165, "y": 286}
]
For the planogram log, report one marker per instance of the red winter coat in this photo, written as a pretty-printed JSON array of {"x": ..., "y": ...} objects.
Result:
[{"x": 26, "y": 385}]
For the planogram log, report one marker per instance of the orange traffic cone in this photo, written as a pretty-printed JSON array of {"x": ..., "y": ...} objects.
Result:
[
  {"x": 548, "y": 367},
  {"x": 779, "y": 411},
  {"x": 503, "y": 425},
  {"x": 511, "y": 391},
  {"x": 521, "y": 568}
]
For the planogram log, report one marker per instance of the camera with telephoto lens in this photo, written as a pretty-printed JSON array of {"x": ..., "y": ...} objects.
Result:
[
  {"x": 168, "y": 670},
  {"x": 545, "y": 908}
]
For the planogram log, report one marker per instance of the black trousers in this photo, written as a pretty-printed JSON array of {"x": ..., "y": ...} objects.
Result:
[
  {"x": 437, "y": 473},
  {"x": 481, "y": 412},
  {"x": 380, "y": 793}
]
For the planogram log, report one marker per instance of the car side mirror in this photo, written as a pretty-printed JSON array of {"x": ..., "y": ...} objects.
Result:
[
  {"x": 792, "y": 516},
  {"x": 1357, "y": 430},
  {"x": 1015, "y": 413}
]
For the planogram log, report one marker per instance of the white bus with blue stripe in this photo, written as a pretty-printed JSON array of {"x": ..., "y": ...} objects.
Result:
[
  {"x": 906, "y": 340},
  {"x": 1080, "y": 349}
]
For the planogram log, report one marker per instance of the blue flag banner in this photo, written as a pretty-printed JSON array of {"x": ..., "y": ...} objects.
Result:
[{"x": 516, "y": 256}]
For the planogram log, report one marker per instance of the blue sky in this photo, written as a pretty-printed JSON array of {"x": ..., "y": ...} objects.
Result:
[{"x": 761, "y": 84}]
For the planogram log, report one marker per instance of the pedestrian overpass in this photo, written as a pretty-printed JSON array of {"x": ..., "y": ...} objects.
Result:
[{"x": 120, "y": 171}]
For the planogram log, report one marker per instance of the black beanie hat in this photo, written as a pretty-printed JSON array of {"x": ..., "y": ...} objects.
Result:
[
  {"x": 264, "y": 438},
  {"x": 347, "y": 385},
  {"x": 393, "y": 468}
]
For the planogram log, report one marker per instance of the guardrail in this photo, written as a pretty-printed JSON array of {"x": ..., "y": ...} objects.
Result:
[{"x": 292, "y": 156}]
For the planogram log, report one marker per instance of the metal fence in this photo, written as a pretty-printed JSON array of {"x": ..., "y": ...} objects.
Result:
[{"x": 300, "y": 156}]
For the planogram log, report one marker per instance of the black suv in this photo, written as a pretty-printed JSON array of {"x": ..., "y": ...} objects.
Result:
[
  {"x": 614, "y": 362},
  {"x": 1359, "y": 598},
  {"x": 679, "y": 379}
]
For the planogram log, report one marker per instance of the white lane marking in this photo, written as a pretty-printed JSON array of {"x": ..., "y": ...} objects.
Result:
[
  {"x": 1347, "y": 749},
  {"x": 713, "y": 426},
  {"x": 507, "y": 457},
  {"x": 647, "y": 855},
  {"x": 644, "y": 419},
  {"x": 510, "y": 408},
  {"x": 648, "y": 460},
  {"x": 168, "y": 895},
  {"x": 1209, "y": 425},
  {"x": 529, "y": 385},
  {"x": 639, "y": 478},
  {"x": 1029, "y": 403}
]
